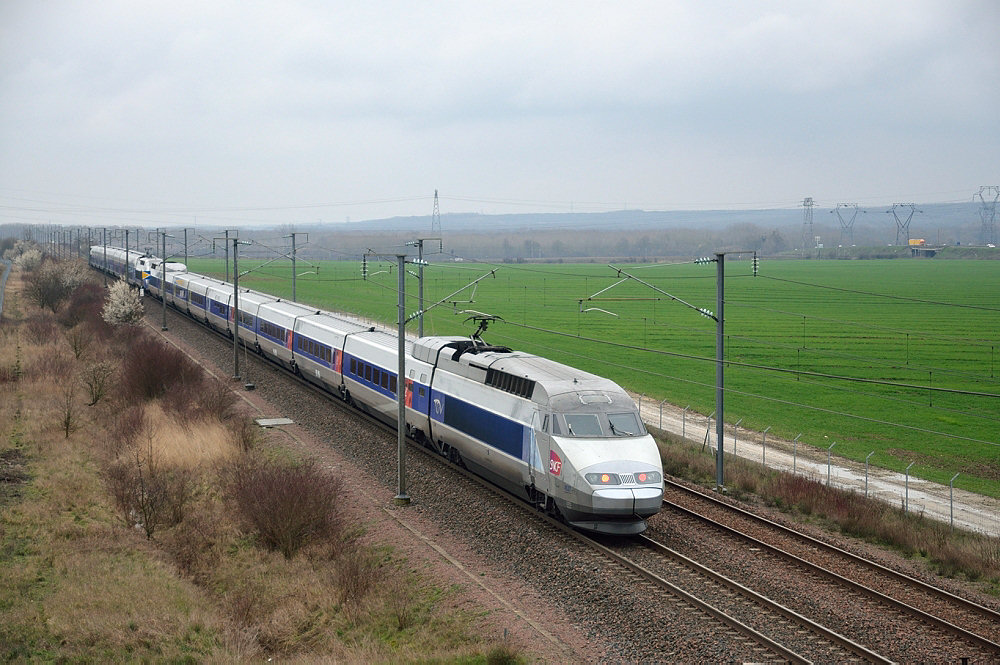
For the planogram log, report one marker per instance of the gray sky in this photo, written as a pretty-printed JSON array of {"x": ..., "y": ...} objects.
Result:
[{"x": 181, "y": 113}]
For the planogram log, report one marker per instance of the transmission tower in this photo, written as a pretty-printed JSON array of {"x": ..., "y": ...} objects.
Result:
[
  {"x": 846, "y": 225},
  {"x": 436, "y": 216},
  {"x": 903, "y": 226},
  {"x": 988, "y": 212},
  {"x": 808, "y": 239}
]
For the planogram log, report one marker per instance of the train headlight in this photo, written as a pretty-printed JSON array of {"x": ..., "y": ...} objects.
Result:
[
  {"x": 643, "y": 477},
  {"x": 603, "y": 479}
]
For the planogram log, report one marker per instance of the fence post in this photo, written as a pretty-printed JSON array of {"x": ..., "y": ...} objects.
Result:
[
  {"x": 735, "y": 432},
  {"x": 708, "y": 430},
  {"x": 684, "y": 417},
  {"x": 828, "y": 462},
  {"x": 866, "y": 472},
  {"x": 763, "y": 448},
  {"x": 906, "y": 498},
  {"x": 795, "y": 451},
  {"x": 951, "y": 500},
  {"x": 661, "y": 413}
]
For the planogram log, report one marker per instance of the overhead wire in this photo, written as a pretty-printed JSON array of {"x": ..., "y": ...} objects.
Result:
[
  {"x": 768, "y": 398},
  {"x": 783, "y": 370}
]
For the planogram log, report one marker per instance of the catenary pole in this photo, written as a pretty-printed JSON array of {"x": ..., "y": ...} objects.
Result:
[
  {"x": 236, "y": 305},
  {"x": 402, "y": 498},
  {"x": 720, "y": 259}
]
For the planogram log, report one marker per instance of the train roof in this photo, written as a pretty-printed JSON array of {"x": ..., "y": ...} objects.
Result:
[{"x": 513, "y": 371}]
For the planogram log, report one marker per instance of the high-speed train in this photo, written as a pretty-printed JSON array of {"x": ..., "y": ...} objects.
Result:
[{"x": 566, "y": 440}]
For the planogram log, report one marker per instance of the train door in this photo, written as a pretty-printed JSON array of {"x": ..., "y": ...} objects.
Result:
[{"x": 536, "y": 478}]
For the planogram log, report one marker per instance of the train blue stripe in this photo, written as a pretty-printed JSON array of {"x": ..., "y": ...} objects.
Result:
[{"x": 501, "y": 433}]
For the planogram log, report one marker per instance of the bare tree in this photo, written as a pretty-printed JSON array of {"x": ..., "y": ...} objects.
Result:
[
  {"x": 97, "y": 378},
  {"x": 79, "y": 338},
  {"x": 68, "y": 420}
]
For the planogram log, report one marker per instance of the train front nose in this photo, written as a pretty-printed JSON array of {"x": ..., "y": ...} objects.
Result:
[
  {"x": 641, "y": 501},
  {"x": 614, "y": 510}
]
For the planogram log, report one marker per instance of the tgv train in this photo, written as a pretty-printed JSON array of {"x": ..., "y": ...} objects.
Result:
[{"x": 568, "y": 441}]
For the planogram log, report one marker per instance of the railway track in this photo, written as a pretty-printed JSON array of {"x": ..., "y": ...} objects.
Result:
[
  {"x": 972, "y": 629},
  {"x": 745, "y": 642},
  {"x": 753, "y": 627}
]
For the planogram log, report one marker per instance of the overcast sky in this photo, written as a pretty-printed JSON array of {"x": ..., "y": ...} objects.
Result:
[{"x": 181, "y": 113}]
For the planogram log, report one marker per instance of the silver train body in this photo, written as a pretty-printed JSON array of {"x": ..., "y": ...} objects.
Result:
[{"x": 568, "y": 441}]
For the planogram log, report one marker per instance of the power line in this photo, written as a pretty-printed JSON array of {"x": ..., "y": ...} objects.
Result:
[
  {"x": 859, "y": 324},
  {"x": 765, "y": 397},
  {"x": 882, "y": 295},
  {"x": 783, "y": 370}
]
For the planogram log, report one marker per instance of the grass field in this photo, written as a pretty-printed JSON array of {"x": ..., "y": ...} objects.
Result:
[{"x": 932, "y": 325}]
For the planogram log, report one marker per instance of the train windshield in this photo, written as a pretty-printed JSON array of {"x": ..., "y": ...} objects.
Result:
[
  {"x": 583, "y": 424},
  {"x": 596, "y": 414},
  {"x": 598, "y": 425},
  {"x": 624, "y": 424}
]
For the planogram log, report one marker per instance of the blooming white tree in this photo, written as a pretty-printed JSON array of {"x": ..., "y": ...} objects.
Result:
[
  {"x": 123, "y": 306},
  {"x": 28, "y": 260}
]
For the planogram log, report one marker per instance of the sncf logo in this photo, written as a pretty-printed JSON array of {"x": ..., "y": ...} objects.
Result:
[{"x": 555, "y": 463}]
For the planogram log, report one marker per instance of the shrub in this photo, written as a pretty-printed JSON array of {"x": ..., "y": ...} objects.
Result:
[
  {"x": 50, "y": 285},
  {"x": 193, "y": 543},
  {"x": 42, "y": 327},
  {"x": 84, "y": 304},
  {"x": 503, "y": 654},
  {"x": 355, "y": 573},
  {"x": 126, "y": 423},
  {"x": 288, "y": 506},
  {"x": 148, "y": 493},
  {"x": 97, "y": 378},
  {"x": 216, "y": 400},
  {"x": 245, "y": 434},
  {"x": 151, "y": 368}
]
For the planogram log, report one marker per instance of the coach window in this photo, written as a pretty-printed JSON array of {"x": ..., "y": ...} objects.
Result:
[
  {"x": 368, "y": 372},
  {"x": 354, "y": 367},
  {"x": 392, "y": 384}
]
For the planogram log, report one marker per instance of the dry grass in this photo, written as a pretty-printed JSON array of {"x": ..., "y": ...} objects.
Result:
[
  {"x": 201, "y": 443},
  {"x": 78, "y": 585}
]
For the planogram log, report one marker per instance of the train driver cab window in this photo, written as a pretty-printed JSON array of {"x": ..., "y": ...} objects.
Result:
[
  {"x": 545, "y": 423},
  {"x": 625, "y": 424},
  {"x": 583, "y": 424},
  {"x": 556, "y": 429}
]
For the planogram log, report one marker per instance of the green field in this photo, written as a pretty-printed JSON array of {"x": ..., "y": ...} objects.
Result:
[{"x": 919, "y": 323}]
